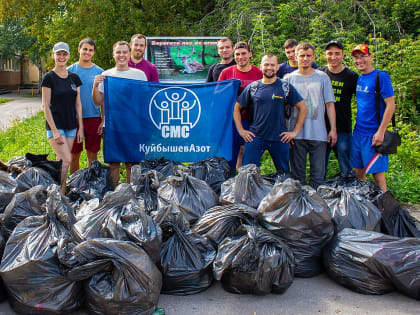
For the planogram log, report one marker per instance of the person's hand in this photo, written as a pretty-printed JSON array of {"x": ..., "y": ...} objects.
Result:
[
  {"x": 98, "y": 79},
  {"x": 101, "y": 128},
  {"x": 247, "y": 135},
  {"x": 80, "y": 135},
  {"x": 288, "y": 136},
  {"x": 332, "y": 137},
  {"x": 58, "y": 138},
  {"x": 378, "y": 138}
]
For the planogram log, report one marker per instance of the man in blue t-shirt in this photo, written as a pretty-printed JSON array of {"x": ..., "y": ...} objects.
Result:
[
  {"x": 92, "y": 119},
  {"x": 368, "y": 132},
  {"x": 265, "y": 100},
  {"x": 291, "y": 64}
]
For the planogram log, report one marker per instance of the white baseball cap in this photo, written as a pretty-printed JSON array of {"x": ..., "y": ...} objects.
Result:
[{"x": 61, "y": 46}]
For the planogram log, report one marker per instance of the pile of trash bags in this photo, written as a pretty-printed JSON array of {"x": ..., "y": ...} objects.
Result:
[{"x": 176, "y": 228}]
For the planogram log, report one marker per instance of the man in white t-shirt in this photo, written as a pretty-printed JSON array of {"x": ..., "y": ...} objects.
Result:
[{"x": 121, "y": 54}]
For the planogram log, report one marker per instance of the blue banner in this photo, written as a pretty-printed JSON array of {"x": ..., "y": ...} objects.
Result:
[{"x": 181, "y": 122}]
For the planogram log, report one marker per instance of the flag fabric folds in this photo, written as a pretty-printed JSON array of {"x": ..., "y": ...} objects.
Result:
[{"x": 181, "y": 122}]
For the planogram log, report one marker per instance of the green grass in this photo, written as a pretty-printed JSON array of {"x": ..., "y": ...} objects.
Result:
[
  {"x": 403, "y": 176},
  {"x": 5, "y": 100}
]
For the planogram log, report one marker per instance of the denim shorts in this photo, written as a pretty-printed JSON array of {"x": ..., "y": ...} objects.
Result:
[{"x": 68, "y": 133}]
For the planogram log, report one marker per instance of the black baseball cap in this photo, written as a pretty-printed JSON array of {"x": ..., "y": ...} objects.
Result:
[{"x": 334, "y": 43}]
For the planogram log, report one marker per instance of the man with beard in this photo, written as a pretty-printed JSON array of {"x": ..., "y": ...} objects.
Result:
[
  {"x": 266, "y": 101},
  {"x": 137, "y": 61},
  {"x": 225, "y": 50}
]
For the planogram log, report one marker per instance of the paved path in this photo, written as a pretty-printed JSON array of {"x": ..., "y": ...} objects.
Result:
[
  {"x": 318, "y": 295},
  {"x": 20, "y": 108}
]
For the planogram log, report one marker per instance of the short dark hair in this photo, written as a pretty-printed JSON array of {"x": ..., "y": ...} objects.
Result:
[
  {"x": 270, "y": 55},
  {"x": 139, "y": 36},
  {"x": 121, "y": 43},
  {"x": 88, "y": 41},
  {"x": 305, "y": 46},
  {"x": 291, "y": 42}
]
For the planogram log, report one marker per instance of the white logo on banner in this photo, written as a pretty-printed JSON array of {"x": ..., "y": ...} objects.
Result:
[{"x": 175, "y": 111}]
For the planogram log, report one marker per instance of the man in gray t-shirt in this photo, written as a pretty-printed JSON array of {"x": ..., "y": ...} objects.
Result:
[{"x": 315, "y": 88}]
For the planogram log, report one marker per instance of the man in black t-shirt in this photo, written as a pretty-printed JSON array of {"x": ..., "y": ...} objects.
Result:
[
  {"x": 225, "y": 50},
  {"x": 344, "y": 83}
]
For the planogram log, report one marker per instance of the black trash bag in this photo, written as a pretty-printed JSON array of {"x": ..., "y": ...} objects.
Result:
[
  {"x": 119, "y": 216},
  {"x": 302, "y": 219},
  {"x": 25, "y": 204},
  {"x": 254, "y": 261},
  {"x": 374, "y": 263},
  {"x": 279, "y": 177},
  {"x": 33, "y": 177},
  {"x": 121, "y": 277},
  {"x": 3, "y": 292},
  {"x": 186, "y": 262},
  {"x": 214, "y": 171},
  {"x": 51, "y": 167},
  {"x": 31, "y": 271},
  {"x": 89, "y": 183},
  {"x": 8, "y": 188},
  {"x": 248, "y": 187},
  {"x": 396, "y": 221},
  {"x": 219, "y": 222},
  {"x": 190, "y": 195},
  {"x": 20, "y": 161},
  {"x": 366, "y": 189},
  {"x": 162, "y": 165},
  {"x": 146, "y": 184},
  {"x": 400, "y": 261},
  {"x": 349, "y": 210}
]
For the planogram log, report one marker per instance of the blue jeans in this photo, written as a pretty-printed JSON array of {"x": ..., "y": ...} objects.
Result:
[
  {"x": 342, "y": 150},
  {"x": 278, "y": 150}
]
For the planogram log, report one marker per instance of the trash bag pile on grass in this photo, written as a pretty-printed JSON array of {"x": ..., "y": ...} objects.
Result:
[
  {"x": 190, "y": 195},
  {"x": 366, "y": 189},
  {"x": 254, "y": 261},
  {"x": 120, "y": 277},
  {"x": 33, "y": 177},
  {"x": 349, "y": 210},
  {"x": 51, "y": 167},
  {"x": 162, "y": 165},
  {"x": 8, "y": 188},
  {"x": 119, "y": 216},
  {"x": 3, "y": 293},
  {"x": 186, "y": 261},
  {"x": 396, "y": 221},
  {"x": 89, "y": 183},
  {"x": 25, "y": 204},
  {"x": 302, "y": 219},
  {"x": 219, "y": 222},
  {"x": 214, "y": 171},
  {"x": 248, "y": 187},
  {"x": 31, "y": 271},
  {"x": 374, "y": 263},
  {"x": 146, "y": 185}
]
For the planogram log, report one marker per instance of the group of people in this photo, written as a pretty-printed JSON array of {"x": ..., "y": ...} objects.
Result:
[
  {"x": 295, "y": 109},
  {"x": 292, "y": 109}
]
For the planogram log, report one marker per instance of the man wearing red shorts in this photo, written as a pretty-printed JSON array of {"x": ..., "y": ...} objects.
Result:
[{"x": 92, "y": 119}]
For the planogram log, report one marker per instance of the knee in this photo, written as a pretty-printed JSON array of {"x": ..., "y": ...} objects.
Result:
[{"x": 66, "y": 160}]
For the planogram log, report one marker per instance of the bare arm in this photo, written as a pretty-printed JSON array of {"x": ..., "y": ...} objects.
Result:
[
  {"x": 101, "y": 125},
  {"x": 378, "y": 137},
  {"x": 46, "y": 101},
  {"x": 332, "y": 136},
  {"x": 80, "y": 132},
  {"x": 288, "y": 136},
  {"x": 246, "y": 134},
  {"x": 98, "y": 97}
]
